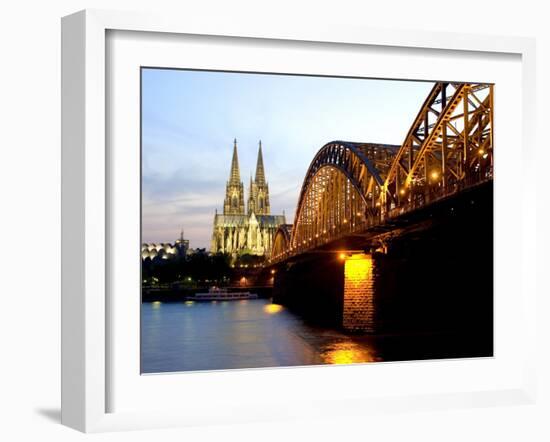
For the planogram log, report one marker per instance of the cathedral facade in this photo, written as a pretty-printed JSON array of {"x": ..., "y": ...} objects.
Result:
[{"x": 241, "y": 230}]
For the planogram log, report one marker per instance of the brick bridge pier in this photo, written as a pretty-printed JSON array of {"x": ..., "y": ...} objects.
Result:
[{"x": 434, "y": 275}]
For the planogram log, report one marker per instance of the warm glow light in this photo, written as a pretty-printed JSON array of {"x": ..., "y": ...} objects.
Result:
[
  {"x": 402, "y": 191},
  {"x": 357, "y": 267},
  {"x": 273, "y": 309},
  {"x": 342, "y": 256},
  {"x": 156, "y": 305},
  {"x": 435, "y": 175},
  {"x": 347, "y": 353},
  {"x": 272, "y": 271},
  {"x": 481, "y": 151}
]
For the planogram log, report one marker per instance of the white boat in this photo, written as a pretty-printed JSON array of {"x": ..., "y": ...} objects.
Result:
[{"x": 221, "y": 294}]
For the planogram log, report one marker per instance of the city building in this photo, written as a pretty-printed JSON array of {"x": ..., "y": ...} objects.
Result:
[{"x": 240, "y": 232}]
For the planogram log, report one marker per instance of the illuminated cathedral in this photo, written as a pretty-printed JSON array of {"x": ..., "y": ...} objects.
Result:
[{"x": 237, "y": 231}]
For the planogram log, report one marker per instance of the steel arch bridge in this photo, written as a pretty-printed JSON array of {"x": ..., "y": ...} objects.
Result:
[{"x": 352, "y": 187}]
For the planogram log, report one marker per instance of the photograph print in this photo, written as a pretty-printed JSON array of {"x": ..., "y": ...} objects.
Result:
[{"x": 301, "y": 220}]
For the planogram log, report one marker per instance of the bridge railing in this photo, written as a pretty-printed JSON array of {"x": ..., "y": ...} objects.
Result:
[
  {"x": 417, "y": 201},
  {"x": 434, "y": 194}
]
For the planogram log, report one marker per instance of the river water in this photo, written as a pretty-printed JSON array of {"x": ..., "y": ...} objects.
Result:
[{"x": 256, "y": 333}]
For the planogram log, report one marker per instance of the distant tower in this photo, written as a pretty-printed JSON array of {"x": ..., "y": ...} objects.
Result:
[
  {"x": 182, "y": 244},
  {"x": 234, "y": 192},
  {"x": 258, "y": 201}
]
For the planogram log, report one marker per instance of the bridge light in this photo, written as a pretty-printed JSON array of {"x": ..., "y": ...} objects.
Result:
[
  {"x": 345, "y": 221},
  {"x": 272, "y": 271},
  {"x": 481, "y": 151},
  {"x": 402, "y": 191},
  {"x": 342, "y": 256},
  {"x": 435, "y": 175}
]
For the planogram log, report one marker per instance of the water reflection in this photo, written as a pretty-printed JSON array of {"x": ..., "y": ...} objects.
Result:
[
  {"x": 273, "y": 309},
  {"x": 238, "y": 334},
  {"x": 348, "y": 353}
]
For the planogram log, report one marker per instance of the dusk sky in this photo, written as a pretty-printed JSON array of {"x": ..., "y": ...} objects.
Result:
[{"x": 190, "y": 118}]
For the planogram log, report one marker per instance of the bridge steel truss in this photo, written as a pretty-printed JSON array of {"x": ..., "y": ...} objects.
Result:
[
  {"x": 350, "y": 187},
  {"x": 281, "y": 240}
]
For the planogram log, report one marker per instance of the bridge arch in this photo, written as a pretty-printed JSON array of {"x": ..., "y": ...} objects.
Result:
[
  {"x": 341, "y": 191},
  {"x": 281, "y": 241},
  {"x": 448, "y": 146},
  {"x": 349, "y": 187}
]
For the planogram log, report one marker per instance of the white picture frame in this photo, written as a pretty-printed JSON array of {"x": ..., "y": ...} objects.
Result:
[{"x": 85, "y": 202}]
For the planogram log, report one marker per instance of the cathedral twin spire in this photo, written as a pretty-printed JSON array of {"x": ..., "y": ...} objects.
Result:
[
  {"x": 260, "y": 173},
  {"x": 234, "y": 176},
  {"x": 258, "y": 201}
]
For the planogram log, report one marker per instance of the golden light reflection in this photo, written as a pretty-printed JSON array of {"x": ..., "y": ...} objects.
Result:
[
  {"x": 348, "y": 353},
  {"x": 189, "y": 302},
  {"x": 156, "y": 304},
  {"x": 273, "y": 309}
]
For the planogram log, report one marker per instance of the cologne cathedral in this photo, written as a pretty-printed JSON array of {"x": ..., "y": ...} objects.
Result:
[{"x": 237, "y": 231}]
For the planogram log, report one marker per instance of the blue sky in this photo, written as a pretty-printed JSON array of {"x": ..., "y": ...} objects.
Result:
[{"x": 190, "y": 118}]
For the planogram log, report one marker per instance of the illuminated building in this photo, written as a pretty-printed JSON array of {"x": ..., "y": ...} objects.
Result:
[{"x": 238, "y": 232}]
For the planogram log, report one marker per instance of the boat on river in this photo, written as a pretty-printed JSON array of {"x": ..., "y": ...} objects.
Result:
[{"x": 221, "y": 294}]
